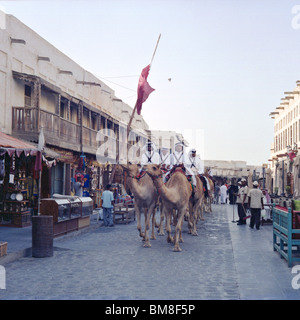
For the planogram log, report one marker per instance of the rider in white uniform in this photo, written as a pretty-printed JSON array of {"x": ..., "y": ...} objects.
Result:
[
  {"x": 150, "y": 154},
  {"x": 180, "y": 157},
  {"x": 196, "y": 165},
  {"x": 165, "y": 161}
]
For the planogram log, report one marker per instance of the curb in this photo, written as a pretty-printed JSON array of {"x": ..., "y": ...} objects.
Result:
[{"x": 13, "y": 256}]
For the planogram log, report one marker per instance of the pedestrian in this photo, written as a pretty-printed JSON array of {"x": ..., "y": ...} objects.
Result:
[
  {"x": 232, "y": 191},
  {"x": 216, "y": 193},
  {"x": 78, "y": 187},
  {"x": 244, "y": 196},
  {"x": 223, "y": 193},
  {"x": 107, "y": 205},
  {"x": 241, "y": 210},
  {"x": 256, "y": 204}
]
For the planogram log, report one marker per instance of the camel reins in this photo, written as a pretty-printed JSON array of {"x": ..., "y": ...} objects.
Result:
[
  {"x": 138, "y": 177},
  {"x": 155, "y": 178}
]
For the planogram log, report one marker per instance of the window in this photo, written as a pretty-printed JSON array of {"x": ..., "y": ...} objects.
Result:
[
  {"x": 27, "y": 96},
  {"x": 94, "y": 121}
]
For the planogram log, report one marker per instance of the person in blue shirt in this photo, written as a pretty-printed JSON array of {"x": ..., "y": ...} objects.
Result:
[{"x": 107, "y": 205}]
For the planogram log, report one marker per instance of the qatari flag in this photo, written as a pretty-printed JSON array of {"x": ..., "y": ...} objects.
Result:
[{"x": 144, "y": 89}]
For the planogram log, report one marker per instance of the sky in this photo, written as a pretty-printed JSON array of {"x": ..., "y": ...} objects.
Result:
[{"x": 229, "y": 61}]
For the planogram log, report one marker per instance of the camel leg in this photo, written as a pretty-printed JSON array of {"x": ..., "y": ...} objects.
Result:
[
  {"x": 209, "y": 201},
  {"x": 174, "y": 215},
  {"x": 178, "y": 230},
  {"x": 153, "y": 223},
  {"x": 201, "y": 208},
  {"x": 194, "y": 218},
  {"x": 138, "y": 218},
  {"x": 157, "y": 208},
  {"x": 161, "y": 227},
  {"x": 168, "y": 226},
  {"x": 147, "y": 214},
  {"x": 190, "y": 218}
]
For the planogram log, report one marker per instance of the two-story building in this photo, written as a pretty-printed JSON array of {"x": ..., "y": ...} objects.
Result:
[
  {"x": 82, "y": 119},
  {"x": 284, "y": 149}
]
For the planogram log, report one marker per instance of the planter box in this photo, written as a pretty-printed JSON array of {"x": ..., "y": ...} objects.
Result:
[{"x": 3, "y": 249}]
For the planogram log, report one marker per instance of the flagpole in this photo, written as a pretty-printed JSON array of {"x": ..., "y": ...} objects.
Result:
[
  {"x": 134, "y": 109},
  {"x": 130, "y": 122},
  {"x": 155, "y": 49}
]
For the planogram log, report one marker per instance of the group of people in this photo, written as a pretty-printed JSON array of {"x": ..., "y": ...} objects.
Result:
[
  {"x": 191, "y": 161},
  {"x": 167, "y": 160},
  {"x": 253, "y": 199}
]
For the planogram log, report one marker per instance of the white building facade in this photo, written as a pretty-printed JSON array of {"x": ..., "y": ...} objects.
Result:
[
  {"x": 40, "y": 87},
  {"x": 284, "y": 148}
]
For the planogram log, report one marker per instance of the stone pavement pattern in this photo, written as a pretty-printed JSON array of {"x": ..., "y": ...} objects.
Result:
[{"x": 225, "y": 261}]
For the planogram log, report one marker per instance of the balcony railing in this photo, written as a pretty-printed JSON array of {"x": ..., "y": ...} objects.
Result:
[
  {"x": 24, "y": 119},
  {"x": 66, "y": 134},
  {"x": 59, "y": 132}
]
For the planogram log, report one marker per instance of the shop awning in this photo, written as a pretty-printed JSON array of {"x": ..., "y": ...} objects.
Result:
[{"x": 9, "y": 143}]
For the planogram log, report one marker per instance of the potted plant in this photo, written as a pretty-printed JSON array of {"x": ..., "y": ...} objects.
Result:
[{"x": 288, "y": 189}]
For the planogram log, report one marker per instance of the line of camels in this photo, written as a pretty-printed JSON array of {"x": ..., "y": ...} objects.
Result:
[{"x": 176, "y": 198}]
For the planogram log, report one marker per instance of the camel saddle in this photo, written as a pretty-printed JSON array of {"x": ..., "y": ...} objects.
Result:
[
  {"x": 204, "y": 181},
  {"x": 178, "y": 168}
]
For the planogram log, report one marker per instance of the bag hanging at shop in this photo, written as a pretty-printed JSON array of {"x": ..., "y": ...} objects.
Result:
[
  {"x": 2, "y": 170},
  {"x": 12, "y": 168}
]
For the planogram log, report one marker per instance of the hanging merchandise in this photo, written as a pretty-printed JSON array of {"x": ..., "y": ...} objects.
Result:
[
  {"x": 81, "y": 165},
  {"x": 2, "y": 170},
  {"x": 12, "y": 167},
  {"x": 49, "y": 163},
  {"x": 86, "y": 180}
]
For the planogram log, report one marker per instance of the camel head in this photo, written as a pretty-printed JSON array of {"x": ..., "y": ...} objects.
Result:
[
  {"x": 154, "y": 170},
  {"x": 132, "y": 169}
]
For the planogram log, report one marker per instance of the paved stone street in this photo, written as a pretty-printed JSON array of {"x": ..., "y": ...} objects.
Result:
[{"x": 225, "y": 261}]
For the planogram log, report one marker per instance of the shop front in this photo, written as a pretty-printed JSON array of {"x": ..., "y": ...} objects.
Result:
[{"x": 18, "y": 181}]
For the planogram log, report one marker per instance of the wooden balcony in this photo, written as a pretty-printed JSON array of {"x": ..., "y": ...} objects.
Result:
[
  {"x": 66, "y": 134},
  {"x": 24, "y": 123},
  {"x": 58, "y": 131}
]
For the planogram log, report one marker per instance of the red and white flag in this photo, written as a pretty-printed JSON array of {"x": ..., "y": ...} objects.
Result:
[{"x": 143, "y": 90}]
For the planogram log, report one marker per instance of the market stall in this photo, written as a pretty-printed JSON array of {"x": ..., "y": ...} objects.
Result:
[
  {"x": 18, "y": 186},
  {"x": 70, "y": 213}
]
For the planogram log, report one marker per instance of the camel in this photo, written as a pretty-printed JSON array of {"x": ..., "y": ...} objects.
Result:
[
  {"x": 146, "y": 197},
  {"x": 196, "y": 207},
  {"x": 175, "y": 194},
  {"x": 211, "y": 191}
]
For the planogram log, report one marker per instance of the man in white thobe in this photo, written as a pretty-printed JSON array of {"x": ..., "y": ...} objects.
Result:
[
  {"x": 223, "y": 193},
  {"x": 180, "y": 157},
  {"x": 150, "y": 154}
]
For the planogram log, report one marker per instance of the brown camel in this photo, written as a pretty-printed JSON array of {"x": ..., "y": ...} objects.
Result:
[
  {"x": 146, "y": 197},
  {"x": 210, "y": 198},
  {"x": 175, "y": 194},
  {"x": 196, "y": 207}
]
